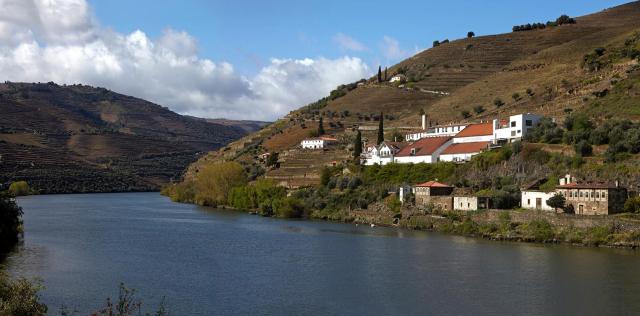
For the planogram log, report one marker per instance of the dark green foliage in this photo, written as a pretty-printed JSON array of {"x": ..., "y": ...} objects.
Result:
[
  {"x": 556, "y": 201},
  {"x": 379, "y": 74},
  {"x": 385, "y": 74},
  {"x": 465, "y": 114},
  {"x": 545, "y": 131},
  {"x": 478, "y": 109},
  {"x": 320, "y": 127},
  {"x": 10, "y": 223},
  {"x": 470, "y": 34},
  {"x": 515, "y": 96},
  {"x": 498, "y": 102},
  {"x": 436, "y": 43},
  {"x": 565, "y": 19},
  {"x": 272, "y": 160},
  {"x": 357, "y": 145},
  {"x": 126, "y": 305},
  {"x": 583, "y": 148},
  {"x": 381, "y": 129},
  {"x": 325, "y": 176}
]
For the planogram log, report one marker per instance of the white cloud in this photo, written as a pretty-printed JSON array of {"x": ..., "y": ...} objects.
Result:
[
  {"x": 348, "y": 43},
  {"x": 391, "y": 49},
  {"x": 58, "y": 40}
]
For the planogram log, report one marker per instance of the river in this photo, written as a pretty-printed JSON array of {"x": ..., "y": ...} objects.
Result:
[{"x": 207, "y": 261}]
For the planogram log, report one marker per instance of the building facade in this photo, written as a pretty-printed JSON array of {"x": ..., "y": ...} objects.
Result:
[
  {"x": 462, "y": 152},
  {"x": 507, "y": 131},
  {"x": 426, "y": 150},
  {"x": 317, "y": 142}
]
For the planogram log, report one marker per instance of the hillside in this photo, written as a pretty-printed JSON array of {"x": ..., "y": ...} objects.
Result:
[
  {"x": 587, "y": 67},
  {"x": 84, "y": 139}
]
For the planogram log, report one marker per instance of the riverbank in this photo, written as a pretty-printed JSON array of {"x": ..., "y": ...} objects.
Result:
[
  {"x": 530, "y": 226},
  {"x": 616, "y": 231}
]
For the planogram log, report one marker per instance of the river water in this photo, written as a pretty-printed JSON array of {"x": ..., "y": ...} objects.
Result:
[{"x": 206, "y": 261}]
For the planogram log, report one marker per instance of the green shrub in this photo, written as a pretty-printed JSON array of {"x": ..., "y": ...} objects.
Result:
[
  {"x": 598, "y": 235},
  {"x": 632, "y": 205},
  {"x": 10, "y": 223},
  {"x": 288, "y": 207},
  {"x": 20, "y": 297},
  {"x": 539, "y": 230}
]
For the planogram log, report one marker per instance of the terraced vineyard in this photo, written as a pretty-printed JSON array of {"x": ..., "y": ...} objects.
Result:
[{"x": 83, "y": 139}]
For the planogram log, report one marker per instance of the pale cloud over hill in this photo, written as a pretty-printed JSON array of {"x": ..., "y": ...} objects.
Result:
[{"x": 60, "y": 40}]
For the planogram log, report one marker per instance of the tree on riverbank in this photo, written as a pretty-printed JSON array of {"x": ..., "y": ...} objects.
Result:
[{"x": 10, "y": 223}]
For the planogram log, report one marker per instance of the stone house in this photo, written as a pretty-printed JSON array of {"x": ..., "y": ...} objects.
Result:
[
  {"x": 592, "y": 198},
  {"x": 434, "y": 193}
]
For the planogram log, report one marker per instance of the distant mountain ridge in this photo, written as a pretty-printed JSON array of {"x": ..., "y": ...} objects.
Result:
[{"x": 78, "y": 138}]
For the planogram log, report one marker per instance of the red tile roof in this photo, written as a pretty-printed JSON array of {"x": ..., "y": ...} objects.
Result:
[
  {"x": 465, "y": 148},
  {"x": 423, "y": 147},
  {"x": 480, "y": 129},
  {"x": 433, "y": 184}
]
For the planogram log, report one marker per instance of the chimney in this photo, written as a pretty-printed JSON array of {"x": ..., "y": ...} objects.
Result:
[{"x": 424, "y": 121}]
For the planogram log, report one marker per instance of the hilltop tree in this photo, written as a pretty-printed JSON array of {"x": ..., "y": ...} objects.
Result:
[
  {"x": 385, "y": 74},
  {"x": 436, "y": 43},
  {"x": 379, "y": 74},
  {"x": 421, "y": 112},
  {"x": 381, "y": 129},
  {"x": 556, "y": 201},
  {"x": 357, "y": 145},
  {"x": 471, "y": 34},
  {"x": 320, "y": 127}
]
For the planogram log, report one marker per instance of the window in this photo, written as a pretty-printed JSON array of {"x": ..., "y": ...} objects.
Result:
[
  {"x": 519, "y": 131},
  {"x": 513, "y": 133},
  {"x": 597, "y": 195},
  {"x": 528, "y": 123},
  {"x": 528, "y": 201},
  {"x": 469, "y": 205},
  {"x": 581, "y": 194},
  {"x": 513, "y": 124},
  {"x": 604, "y": 195}
]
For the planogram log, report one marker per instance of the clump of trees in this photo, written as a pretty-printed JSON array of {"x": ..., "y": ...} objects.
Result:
[
  {"x": 214, "y": 182},
  {"x": 19, "y": 188},
  {"x": 622, "y": 136},
  {"x": 470, "y": 34},
  {"x": 561, "y": 20}
]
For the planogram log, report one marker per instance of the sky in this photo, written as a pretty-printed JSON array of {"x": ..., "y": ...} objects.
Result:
[{"x": 240, "y": 59}]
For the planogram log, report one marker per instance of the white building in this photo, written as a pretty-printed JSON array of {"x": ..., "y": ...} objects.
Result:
[
  {"x": 383, "y": 154},
  {"x": 480, "y": 132},
  {"x": 398, "y": 78},
  {"x": 470, "y": 203},
  {"x": 317, "y": 142},
  {"x": 426, "y": 150},
  {"x": 535, "y": 199},
  {"x": 506, "y": 131},
  {"x": 462, "y": 152}
]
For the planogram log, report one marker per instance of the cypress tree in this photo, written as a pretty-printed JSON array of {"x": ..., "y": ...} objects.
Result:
[
  {"x": 357, "y": 145},
  {"x": 320, "y": 127},
  {"x": 385, "y": 74},
  {"x": 379, "y": 74},
  {"x": 381, "y": 129}
]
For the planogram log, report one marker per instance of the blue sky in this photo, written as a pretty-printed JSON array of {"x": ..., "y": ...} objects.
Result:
[
  {"x": 248, "y": 33},
  {"x": 240, "y": 59}
]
